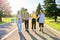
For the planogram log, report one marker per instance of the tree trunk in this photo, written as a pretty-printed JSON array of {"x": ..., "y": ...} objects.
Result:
[
  {"x": 0, "y": 19},
  {"x": 55, "y": 18}
]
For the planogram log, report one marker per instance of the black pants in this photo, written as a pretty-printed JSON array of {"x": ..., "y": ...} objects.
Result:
[
  {"x": 33, "y": 23},
  {"x": 41, "y": 25},
  {"x": 26, "y": 24}
]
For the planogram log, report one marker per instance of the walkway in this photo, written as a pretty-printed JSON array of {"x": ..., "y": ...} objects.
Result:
[{"x": 31, "y": 35}]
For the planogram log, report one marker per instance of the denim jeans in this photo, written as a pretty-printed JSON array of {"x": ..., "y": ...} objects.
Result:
[{"x": 19, "y": 24}]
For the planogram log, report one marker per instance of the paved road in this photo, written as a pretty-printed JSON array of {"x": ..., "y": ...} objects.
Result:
[
  {"x": 6, "y": 25},
  {"x": 5, "y": 29},
  {"x": 32, "y": 35}
]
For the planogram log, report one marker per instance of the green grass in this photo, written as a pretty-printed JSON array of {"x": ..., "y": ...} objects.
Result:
[
  {"x": 55, "y": 25},
  {"x": 6, "y": 20},
  {"x": 2, "y": 22}
]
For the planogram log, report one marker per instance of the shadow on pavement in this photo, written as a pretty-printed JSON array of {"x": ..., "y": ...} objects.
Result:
[
  {"x": 33, "y": 38},
  {"x": 39, "y": 35},
  {"x": 2, "y": 33},
  {"x": 52, "y": 36},
  {"x": 6, "y": 25},
  {"x": 21, "y": 36}
]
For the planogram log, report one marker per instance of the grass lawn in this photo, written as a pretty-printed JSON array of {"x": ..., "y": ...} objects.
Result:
[
  {"x": 6, "y": 20},
  {"x": 55, "y": 25}
]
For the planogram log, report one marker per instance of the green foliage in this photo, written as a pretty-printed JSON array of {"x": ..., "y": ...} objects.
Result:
[
  {"x": 1, "y": 13},
  {"x": 58, "y": 11},
  {"x": 55, "y": 25},
  {"x": 6, "y": 20},
  {"x": 38, "y": 9},
  {"x": 51, "y": 9}
]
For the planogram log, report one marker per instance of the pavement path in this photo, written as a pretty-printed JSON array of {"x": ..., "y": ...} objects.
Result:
[
  {"x": 6, "y": 28},
  {"x": 31, "y": 34}
]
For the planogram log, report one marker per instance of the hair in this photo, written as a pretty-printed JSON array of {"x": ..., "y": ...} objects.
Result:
[
  {"x": 33, "y": 11},
  {"x": 25, "y": 9},
  {"x": 18, "y": 12},
  {"x": 42, "y": 11}
]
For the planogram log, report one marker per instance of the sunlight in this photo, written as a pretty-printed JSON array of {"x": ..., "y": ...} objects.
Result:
[
  {"x": 15, "y": 4},
  {"x": 31, "y": 5}
]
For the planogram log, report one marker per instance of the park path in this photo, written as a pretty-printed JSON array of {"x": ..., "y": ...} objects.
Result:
[{"x": 31, "y": 35}]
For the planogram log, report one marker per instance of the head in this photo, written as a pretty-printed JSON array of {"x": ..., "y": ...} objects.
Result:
[
  {"x": 33, "y": 11},
  {"x": 41, "y": 11},
  {"x": 18, "y": 12},
  {"x": 25, "y": 9}
]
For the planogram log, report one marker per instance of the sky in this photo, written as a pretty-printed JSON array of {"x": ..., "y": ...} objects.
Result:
[
  {"x": 28, "y": 4},
  {"x": 31, "y": 5},
  {"x": 58, "y": 1}
]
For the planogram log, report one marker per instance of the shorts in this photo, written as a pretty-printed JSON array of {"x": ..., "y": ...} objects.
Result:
[{"x": 41, "y": 24}]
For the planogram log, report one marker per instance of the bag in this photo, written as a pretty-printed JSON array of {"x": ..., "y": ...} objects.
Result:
[{"x": 37, "y": 19}]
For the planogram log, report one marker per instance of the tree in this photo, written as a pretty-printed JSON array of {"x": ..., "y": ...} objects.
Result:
[
  {"x": 51, "y": 9},
  {"x": 38, "y": 9},
  {"x": 58, "y": 11},
  {"x": 4, "y": 9},
  {"x": 1, "y": 14},
  {"x": 7, "y": 9}
]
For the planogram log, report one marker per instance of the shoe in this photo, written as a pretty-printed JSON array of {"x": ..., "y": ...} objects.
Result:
[
  {"x": 27, "y": 31},
  {"x": 34, "y": 29},
  {"x": 40, "y": 30}
]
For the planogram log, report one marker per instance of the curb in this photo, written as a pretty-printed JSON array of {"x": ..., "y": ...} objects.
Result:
[{"x": 53, "y": 31}]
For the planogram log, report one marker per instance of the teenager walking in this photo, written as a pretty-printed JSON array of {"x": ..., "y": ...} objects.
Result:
[
  {"x": 19, "y": 24},
  {"x": 34, "y": 20},
  {"x": 26, "y": 19},
  {"x": 41, "y": 20}
]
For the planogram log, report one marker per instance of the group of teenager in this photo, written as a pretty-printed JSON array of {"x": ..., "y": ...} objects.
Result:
[{"x": 39, "y": 19}]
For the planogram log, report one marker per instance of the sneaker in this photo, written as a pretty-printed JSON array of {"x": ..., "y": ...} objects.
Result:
[
  {"x": 34, "y": 29},
  {"x": 40, "y": 30}
]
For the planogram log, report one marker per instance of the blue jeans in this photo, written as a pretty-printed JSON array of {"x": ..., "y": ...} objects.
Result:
[{"x": 19, "y": 24}]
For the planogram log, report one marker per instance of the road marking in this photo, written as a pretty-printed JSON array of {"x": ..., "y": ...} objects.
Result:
[
  {"x": 3, "y": 28},
  {"x": 9, "y": 34}
]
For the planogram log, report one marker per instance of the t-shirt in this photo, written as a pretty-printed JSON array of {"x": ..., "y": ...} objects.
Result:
[
  {"x": 41, "y": 18},
  {"x": 33, "y": 15},
  {"x": 19, "y": 18},
  {"x": 26, "y": 16},
  {"x": 19, "y": 15}
]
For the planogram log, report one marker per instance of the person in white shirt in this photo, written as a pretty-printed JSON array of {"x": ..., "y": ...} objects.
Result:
[
  {"x": 19, "y": 24},
  {"x": 26, "y": 18}
]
